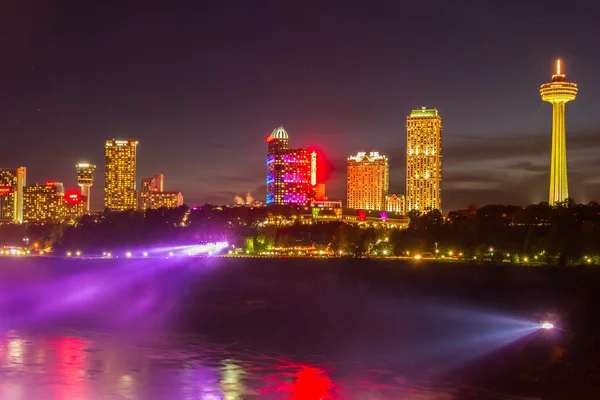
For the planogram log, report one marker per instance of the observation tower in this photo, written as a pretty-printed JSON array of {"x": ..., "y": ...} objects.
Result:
[
  {"x": 558, "y": 92},
  {"x": 85, "y": 179}
]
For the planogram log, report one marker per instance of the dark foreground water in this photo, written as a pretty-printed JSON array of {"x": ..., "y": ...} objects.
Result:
[{"x": 270, "y": 329}]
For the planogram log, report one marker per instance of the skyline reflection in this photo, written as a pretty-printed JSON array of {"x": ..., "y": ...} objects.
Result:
[{"x": 88, "y": 368}]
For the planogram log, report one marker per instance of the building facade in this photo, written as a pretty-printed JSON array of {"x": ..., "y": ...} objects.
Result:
[
  {"x": 85, "y": 180},
  {"x": 158, "y": 200},
  {"x": 119, "y": 187},
  {"x": 367, "y": 181},
  {"x": 153, "y": 184},
  {"x": 423, "y": 160},
  {"x": 12, "y": 186},
  {"x": 291, "y": 173},
  {"x": 49, "y": 203}
]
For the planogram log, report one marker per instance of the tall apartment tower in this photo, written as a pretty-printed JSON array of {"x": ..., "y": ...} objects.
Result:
[
  {"x": 119, "y": 186},
  {"x": 423, "y": 160},
  {"x": 368, "y": 180},
  {"x": 12, "y": 187},
  {"x": 85, "y": 179}
]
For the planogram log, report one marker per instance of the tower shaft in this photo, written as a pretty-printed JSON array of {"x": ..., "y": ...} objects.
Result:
[{"x": 559, "y": 188}]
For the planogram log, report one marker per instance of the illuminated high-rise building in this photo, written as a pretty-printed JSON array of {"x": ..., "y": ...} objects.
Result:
[
  {"x": 423, "y": 160},
  {"x": 119, "y": 188},
  {"x": 368, "y": 179},
  {"x": 85, "y": 179},
  {"x": 12, "y": 185},
  {"x": 558, "y": 93},
  {"x": 291, "y": 173}
]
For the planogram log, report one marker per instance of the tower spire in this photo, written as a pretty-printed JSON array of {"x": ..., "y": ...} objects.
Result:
[{"x": 558, "y": 67}]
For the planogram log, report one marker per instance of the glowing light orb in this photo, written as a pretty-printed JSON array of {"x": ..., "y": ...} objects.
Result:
[
  {"x": 418, "y": 257},
  {"x": 171, "y": 254},
  {"x": 145, "y": 254},
  {"x": 546, "y": 325},
  {"x": 128, "y": 254}
]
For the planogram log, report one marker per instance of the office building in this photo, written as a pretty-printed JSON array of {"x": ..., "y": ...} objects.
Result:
[
  {"x": 558, "y": 93},
  {"x": 12, "y": 185},
  {"x": 291, "y": 173},
  {"x": 119, "y": 187},
  {"x": 85, "y": 179},
  {"x": 423, "y": 160},
  {"x": 367, "y": 181}
]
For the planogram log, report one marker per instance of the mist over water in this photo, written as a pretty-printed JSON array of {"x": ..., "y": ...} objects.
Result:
[{"x": 233, "y": 329}]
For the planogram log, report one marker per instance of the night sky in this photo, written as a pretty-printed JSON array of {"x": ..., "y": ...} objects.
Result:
[{"x": 201, "y": 84}]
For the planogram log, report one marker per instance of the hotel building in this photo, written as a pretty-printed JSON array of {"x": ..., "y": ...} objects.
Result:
[
  {"x": 291, "y": 173},
  {"x": 367, "y": 181},
  {"x": 48, "y": 203},
  {"x": 164, "y": 200},
  {"x": 12, "y": 185},
  {"x": 423, "y": 160},
  {"x": 119, "y": 187}
]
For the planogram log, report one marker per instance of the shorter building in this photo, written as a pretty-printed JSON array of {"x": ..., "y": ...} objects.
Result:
[
  {"x": 12, "y": 185},
  {"x": 320, "y": 193},
  {"x": 395, "y": 204},
  {"x": 153, "y": 184},
  {"x": 367, "y": 181},
  {"x": 49, "y": 203},
  {"x": 158, "y": 200},
  {"x": 326, "y": 210}
]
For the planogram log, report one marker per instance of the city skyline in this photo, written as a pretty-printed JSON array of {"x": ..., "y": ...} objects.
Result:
[{"x": 331, "y": 95}]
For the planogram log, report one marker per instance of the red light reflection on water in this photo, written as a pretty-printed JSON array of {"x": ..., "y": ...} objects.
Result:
[{"x": 307, "y": 383}]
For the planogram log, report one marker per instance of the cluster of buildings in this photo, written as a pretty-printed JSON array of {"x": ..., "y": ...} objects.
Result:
[
  {"x": 292, "y": 176},
  {"x": 120, "y": 190},
  {"x": 51, "y": 202}
]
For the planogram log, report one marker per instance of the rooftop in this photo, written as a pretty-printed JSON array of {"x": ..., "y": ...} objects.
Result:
[
  {"x": 279, "y": 133},
  {"x": 424, "y": 112}
]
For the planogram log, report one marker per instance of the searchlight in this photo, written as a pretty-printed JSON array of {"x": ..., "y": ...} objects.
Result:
[{"x": 546, "y": 325}]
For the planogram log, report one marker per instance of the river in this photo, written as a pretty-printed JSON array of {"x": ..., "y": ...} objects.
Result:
[{"x": 214, "y": 329}]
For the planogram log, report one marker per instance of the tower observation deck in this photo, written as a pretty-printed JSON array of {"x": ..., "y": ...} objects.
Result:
[{"x": 558, "y": 93}]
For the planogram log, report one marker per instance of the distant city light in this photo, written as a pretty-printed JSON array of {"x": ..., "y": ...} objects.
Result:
[
  {"x": 128, "y": 254},
  {"x": 418, "y": 257},
  {"x": 145, "y": 254}
]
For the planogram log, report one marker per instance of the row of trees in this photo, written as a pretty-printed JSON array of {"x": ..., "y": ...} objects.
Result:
[{"x": 565, "y": 233}]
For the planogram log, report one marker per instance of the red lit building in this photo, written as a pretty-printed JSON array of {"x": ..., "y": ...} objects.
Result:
[{"x": 291, "y": 173}]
